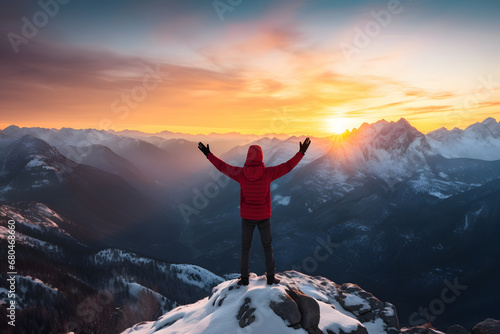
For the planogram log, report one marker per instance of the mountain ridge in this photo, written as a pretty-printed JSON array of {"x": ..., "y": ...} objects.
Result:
[
  {"x": 173, "y": 134},
  {"x": 381, "y": 193}
]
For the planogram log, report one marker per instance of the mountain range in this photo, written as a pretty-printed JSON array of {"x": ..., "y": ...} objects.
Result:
[{"x": 397, "y": 211}]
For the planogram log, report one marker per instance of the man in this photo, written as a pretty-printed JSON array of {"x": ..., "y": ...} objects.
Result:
[{"x": 255, "y": 201}]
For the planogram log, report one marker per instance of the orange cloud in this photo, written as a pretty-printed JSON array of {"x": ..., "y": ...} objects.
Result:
[{"x": 242, "y": 79}]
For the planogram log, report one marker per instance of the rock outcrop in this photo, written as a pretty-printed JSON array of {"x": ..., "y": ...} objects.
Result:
[
  {"x": 299, "y": 304},
  {"x": 488, "y": 326}
]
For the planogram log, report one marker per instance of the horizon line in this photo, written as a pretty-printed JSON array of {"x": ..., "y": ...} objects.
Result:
[{"x": 240, "y": 133}]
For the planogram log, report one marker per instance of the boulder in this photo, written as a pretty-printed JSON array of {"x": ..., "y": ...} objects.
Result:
[
  {"x": 308, "y": 308},
  {"x": 456, "y": 329},
  {"x": 287, "y": 310},
  {"x": 488, "y": 326}
]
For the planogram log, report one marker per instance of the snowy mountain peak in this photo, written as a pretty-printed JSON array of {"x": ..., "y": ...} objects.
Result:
[
  {"x": 477, "y": 141},
  {"x": 31, "y": 143},
  {"x": 383, "y": 139},
  {"x": 31, "y": 147},
  {"x": 489, "y": 127},
  {"x": 367, "y": 132},
  {"x": 299, "y": 304},
  {"x": 403, "y": 122},
  {"x": 11, "y": 128},
  {"x": 489, "y": 121},
  {"x": 380, "y": 124},
  {"x": 377, "y": 126}
]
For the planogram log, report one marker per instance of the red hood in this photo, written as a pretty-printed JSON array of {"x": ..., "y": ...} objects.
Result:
[{"x": 254, "y": 167}]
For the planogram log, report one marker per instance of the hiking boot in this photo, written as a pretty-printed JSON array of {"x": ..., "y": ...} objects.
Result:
[
  {"x": 243, "y": 281},
  {"x": 273, "y": 280}
]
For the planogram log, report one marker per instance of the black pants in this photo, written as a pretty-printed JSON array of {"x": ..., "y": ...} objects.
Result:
[{"x": 247, "y": 228}]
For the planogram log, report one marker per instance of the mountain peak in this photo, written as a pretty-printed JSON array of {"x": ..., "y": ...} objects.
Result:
[
  {"x": 32, "y": 143},
  {"x": 489, "y": 121},
  {"x": 313, "y": 304},
  {"x": 403, "y": 121},
  {"x": 11, "y": 128}
]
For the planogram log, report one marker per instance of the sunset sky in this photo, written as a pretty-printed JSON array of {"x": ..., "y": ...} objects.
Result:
[{"x": 312, "y": 67}]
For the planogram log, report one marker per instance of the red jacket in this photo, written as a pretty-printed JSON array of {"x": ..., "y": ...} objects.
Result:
[{"x": 255, "y": 180}]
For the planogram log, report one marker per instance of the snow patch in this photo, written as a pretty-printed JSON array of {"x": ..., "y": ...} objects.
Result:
[
  {"x": 354, "y": 300},
  {"x": 195, "y": 275},
  {"x": 333, "y": 320},
  {"x": 282, "y": 200},
  {"x": 438, "y": 195},
  {"x": 376, "y": 326},
  {"x": 36, "y": 162},
  {"x": 190, "y": 274}
]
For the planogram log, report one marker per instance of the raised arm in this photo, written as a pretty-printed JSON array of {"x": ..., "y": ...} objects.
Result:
[
  {"x": 231, "y": 171},
  {"x": 282, "y": 169}
]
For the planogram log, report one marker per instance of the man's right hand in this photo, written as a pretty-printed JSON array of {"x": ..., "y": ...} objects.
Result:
[
  {"x": 303, "y": 147},
  {"x": 203, "y": 148}
]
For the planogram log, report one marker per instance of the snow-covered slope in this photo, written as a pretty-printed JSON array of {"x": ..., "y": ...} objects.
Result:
[
  {"x": 477, "y": 141},
  {"x": 29, "y": 159},
  {"x": 24, "y": 293},
  {"x": 277, "y": 151},
  {"x": 231, "y": 137},
  {"x": 106, "y": 150},
  {"x": 35, "y": 216},
  {"x": 188, "y": 274},
  {"x": 299, "y": 304},
  {"x": 388, "y": 151},
  {"x": 32, "y": 242},
  {"x": 391, "y": 151},
  {"x": 37, "y": 226},
  {"x": 388, "y": 154}
]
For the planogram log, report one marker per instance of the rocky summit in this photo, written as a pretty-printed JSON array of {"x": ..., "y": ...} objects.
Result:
[{"x": 299, "y": 304}]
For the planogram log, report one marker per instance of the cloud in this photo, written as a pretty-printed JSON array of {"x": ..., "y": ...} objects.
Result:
[
  {"x": 427, "y": 109},
  {"x": 234, "y": 74},
  {"x": 425, "y": 94},
  {"x": 80, "y": 84},
  {"x": 54, "y": 74},
  {"x": 384, "y": 107},
  {"x": 487, "y": 104}
]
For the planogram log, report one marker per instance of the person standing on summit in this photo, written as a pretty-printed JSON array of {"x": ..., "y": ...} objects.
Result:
[{"x": 255, "y": 201}]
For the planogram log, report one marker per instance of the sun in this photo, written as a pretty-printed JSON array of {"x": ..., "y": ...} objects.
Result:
[{"x": 337, "y": 125}]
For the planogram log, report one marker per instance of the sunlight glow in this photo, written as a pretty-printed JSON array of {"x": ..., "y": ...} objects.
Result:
[{"x": 338, "y": 125}]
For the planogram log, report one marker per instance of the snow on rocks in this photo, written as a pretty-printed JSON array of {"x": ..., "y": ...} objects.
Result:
[
  {"x": 35, "y": 216},
  {"x": 419, "y": 330},
  {"x": 299, "y": 304}
]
